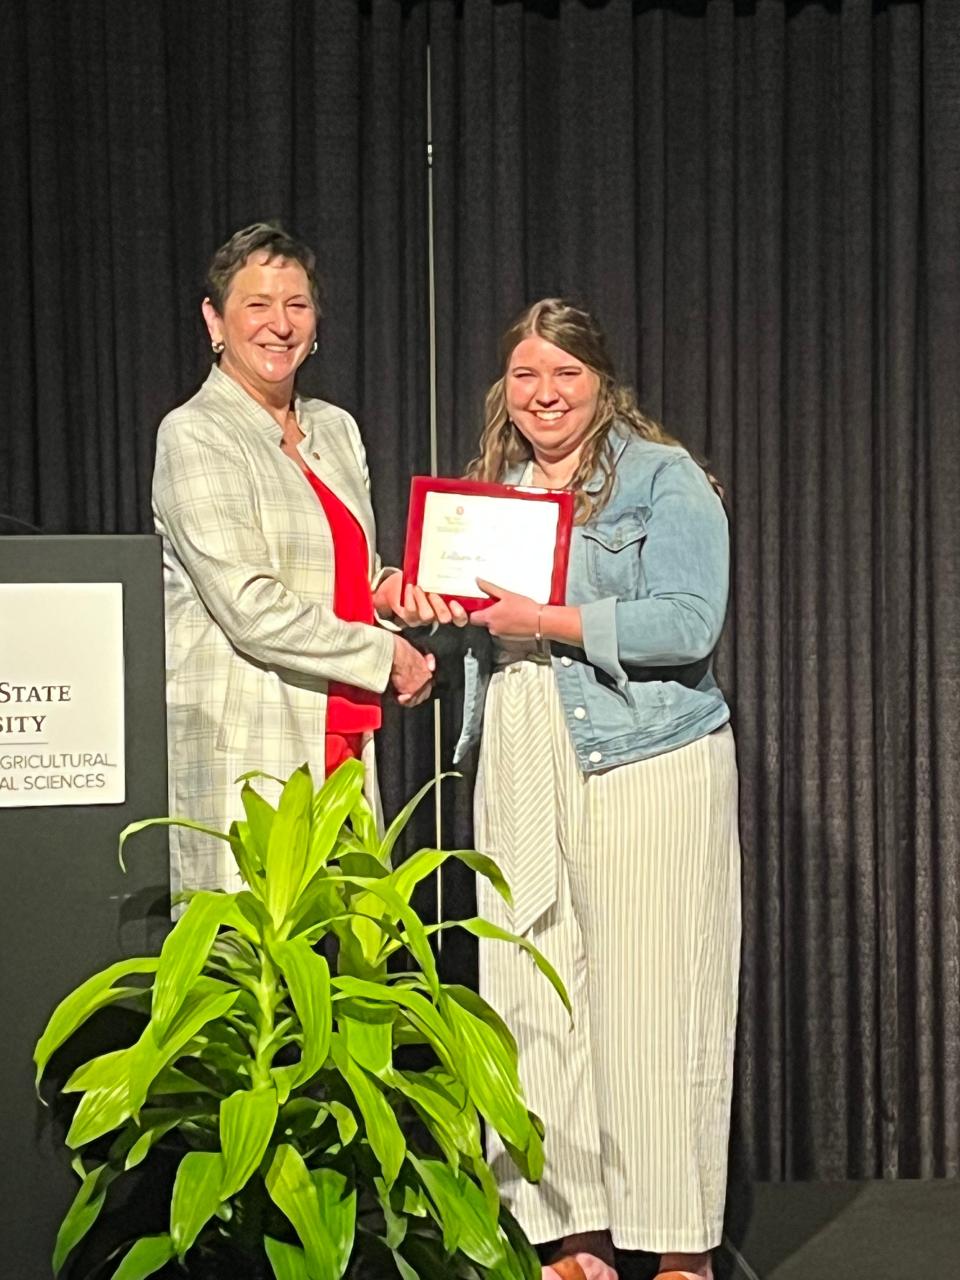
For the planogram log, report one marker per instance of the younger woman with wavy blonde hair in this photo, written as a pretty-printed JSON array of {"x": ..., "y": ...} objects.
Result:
[
  {"x": 575, "y": 331},
  {"x": 607, "y": 790}
]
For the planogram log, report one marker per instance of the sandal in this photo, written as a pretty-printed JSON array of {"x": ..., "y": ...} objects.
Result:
[
  {"x": 564, "y": 1269},
  {"x": 579, "y": 1266}
]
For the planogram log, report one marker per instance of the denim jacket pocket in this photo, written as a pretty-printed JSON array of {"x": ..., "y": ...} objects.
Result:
[{"x": 613, "y": 555}]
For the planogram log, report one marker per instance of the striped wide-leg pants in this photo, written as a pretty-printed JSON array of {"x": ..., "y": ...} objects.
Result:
[{"x": 644, "y": 929}]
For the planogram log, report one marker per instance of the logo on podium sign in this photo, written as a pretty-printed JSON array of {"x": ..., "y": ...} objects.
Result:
[{"x": 61, "y": 694}]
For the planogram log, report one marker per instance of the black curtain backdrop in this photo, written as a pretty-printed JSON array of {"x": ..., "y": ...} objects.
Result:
[{"x": 762, "y": 202}]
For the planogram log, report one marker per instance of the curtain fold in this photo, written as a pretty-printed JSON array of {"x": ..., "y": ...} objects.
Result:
[{"x": 760, "y": 202}]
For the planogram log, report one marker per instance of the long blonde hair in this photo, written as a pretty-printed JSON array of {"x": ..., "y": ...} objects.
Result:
[{"x": 575, "y": 331}]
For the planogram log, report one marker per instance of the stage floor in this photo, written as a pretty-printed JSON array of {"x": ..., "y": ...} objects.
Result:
[{"x": 897, "y": 1230}]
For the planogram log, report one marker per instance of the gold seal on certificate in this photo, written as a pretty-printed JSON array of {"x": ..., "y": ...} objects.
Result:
[{"x": 461, "y": 530}]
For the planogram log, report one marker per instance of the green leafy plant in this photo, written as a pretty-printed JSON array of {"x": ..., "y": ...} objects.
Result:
[{"x": 325, "y": 1113}]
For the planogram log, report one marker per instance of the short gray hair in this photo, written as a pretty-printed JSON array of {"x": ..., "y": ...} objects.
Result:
[{"x": 266, "y": 237}]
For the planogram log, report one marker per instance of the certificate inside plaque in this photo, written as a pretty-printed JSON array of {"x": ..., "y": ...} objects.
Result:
[{"x": 461, "y": 530}]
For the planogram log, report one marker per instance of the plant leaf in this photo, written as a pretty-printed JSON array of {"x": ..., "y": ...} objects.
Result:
[
  {"x": 303, "y": 1115},
  {"x": 116, "y": 1085},
  {"x": 416, "y": 938},
  {"x": 463, "y": 1211},
  {"x": 445, "y": 1108},
  {"x": 142, "y": 825},
  {"x": 288, "y": 1261},
  {"x": 357, "y": 862},
  {"x": 485, "y": 866},
  {"x": 529, "y": 1159},
  {"x": 442, "y": 1205},
  {"x": 368, "y": 1031},
  {"x": 332, "y": 805},
  {"x": 99, "y": 1111},
  {"x": 474, "y": 1003},
  {"x": 196, "y": 1196},
  {"x": 83, "y": 1212},
  {"x": 425, "y": 1016},
  {"x": 528, "y": 1264},
  {"x": 488, "y": 1068},
  {"x": 282, "y": 1080},
  {"x": 425, "y": 861},
  {"x": 247, "y": 1121},
  {"x": 147, "y": 1256},
  {"x": 287, "y": 847},
  {"x": 323, "y": 901},
  {"x": 383, "y": 1132},
  {"x": 260, "y": 815},
  {"x": 395, "y": 1223},
  {"x": 159, "y": 1123},
  {"x": 417, "y": 867},
  {"x": 292, "y": 1191},
  {"x": 251, "y": 917},
  {"x": 259, "y": 773},
  {"x": 201, "y": 1006},
  {"x": 481, "y": 928},
  {"x": 173, "y": 1081},
  {"x": 487, "y": 1183},
  {"x": 338, "y": 1209},
  {"x": 307, "y": 976},
  {"x": 100, "y": 1072},
  {"x": 404, "y": 816},
  {"x": 406, "y": 1271},
  {"x": 344, "y": 1119},
  {"x": 246, "y": 856},
  {"x": 74, "y": 1009},
  {"x": 184, "y": 951},
  {"x": 364, "y": 826}
]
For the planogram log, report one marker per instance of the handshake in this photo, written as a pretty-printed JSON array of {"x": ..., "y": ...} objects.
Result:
[
  {"x": 507, "y": 614},
  {"x": 411, "y": 675}
]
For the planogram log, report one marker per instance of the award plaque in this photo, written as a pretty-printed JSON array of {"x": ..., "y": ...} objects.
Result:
[{"x": 514, "y": 537}]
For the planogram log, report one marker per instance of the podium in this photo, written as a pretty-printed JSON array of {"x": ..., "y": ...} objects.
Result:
[{"x": 68, "y": 907}]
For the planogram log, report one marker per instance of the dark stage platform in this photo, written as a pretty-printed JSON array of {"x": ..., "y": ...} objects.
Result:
[{"x": 899, "y": 1230}]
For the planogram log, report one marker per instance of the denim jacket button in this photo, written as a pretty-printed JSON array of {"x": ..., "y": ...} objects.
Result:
[
  {"x": 596, "y": 757},
  {"x": 580, "y": 713},
  {"x": 566, "y": 662}
]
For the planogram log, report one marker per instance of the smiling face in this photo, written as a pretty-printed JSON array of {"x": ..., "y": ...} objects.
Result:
[
  {"x": 551, "y": 397},
  {"x": 267, "y": 327}
]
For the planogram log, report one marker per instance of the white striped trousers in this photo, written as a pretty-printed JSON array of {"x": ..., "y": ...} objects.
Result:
[{"x": 645, "y": 932}]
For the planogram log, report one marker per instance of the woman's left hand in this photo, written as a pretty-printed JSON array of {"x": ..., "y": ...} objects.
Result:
[
  {"x": 509, "y": 614},
  {"x": 415, "y": 607}
]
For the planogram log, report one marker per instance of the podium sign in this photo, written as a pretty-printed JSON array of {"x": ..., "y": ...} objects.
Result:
[
  {"x": 95, "y": 682},
  {"x": 61, "y": 694}
]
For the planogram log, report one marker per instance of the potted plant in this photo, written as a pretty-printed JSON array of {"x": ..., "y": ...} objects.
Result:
[{"x": 324, "y": 1114}]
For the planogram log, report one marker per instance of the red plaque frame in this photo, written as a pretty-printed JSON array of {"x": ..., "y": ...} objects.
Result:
[{"x": 420, "y": 486}]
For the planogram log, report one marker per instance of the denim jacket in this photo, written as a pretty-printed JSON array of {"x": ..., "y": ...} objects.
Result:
[{"x": 650, "y": 575}]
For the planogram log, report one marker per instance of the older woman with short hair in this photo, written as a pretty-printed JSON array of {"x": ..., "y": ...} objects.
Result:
[{"x": 277, "y": 652}]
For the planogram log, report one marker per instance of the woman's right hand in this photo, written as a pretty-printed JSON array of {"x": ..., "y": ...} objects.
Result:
[
  {"x": 411, "y": 675},
  {"x": 414, "y": 606}
]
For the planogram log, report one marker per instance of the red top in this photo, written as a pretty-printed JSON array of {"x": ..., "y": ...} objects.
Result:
[{"x": 349, "y": 709}]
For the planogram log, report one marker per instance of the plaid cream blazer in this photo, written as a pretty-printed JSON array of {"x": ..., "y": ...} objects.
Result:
[{"x": 252, "y": 639}]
